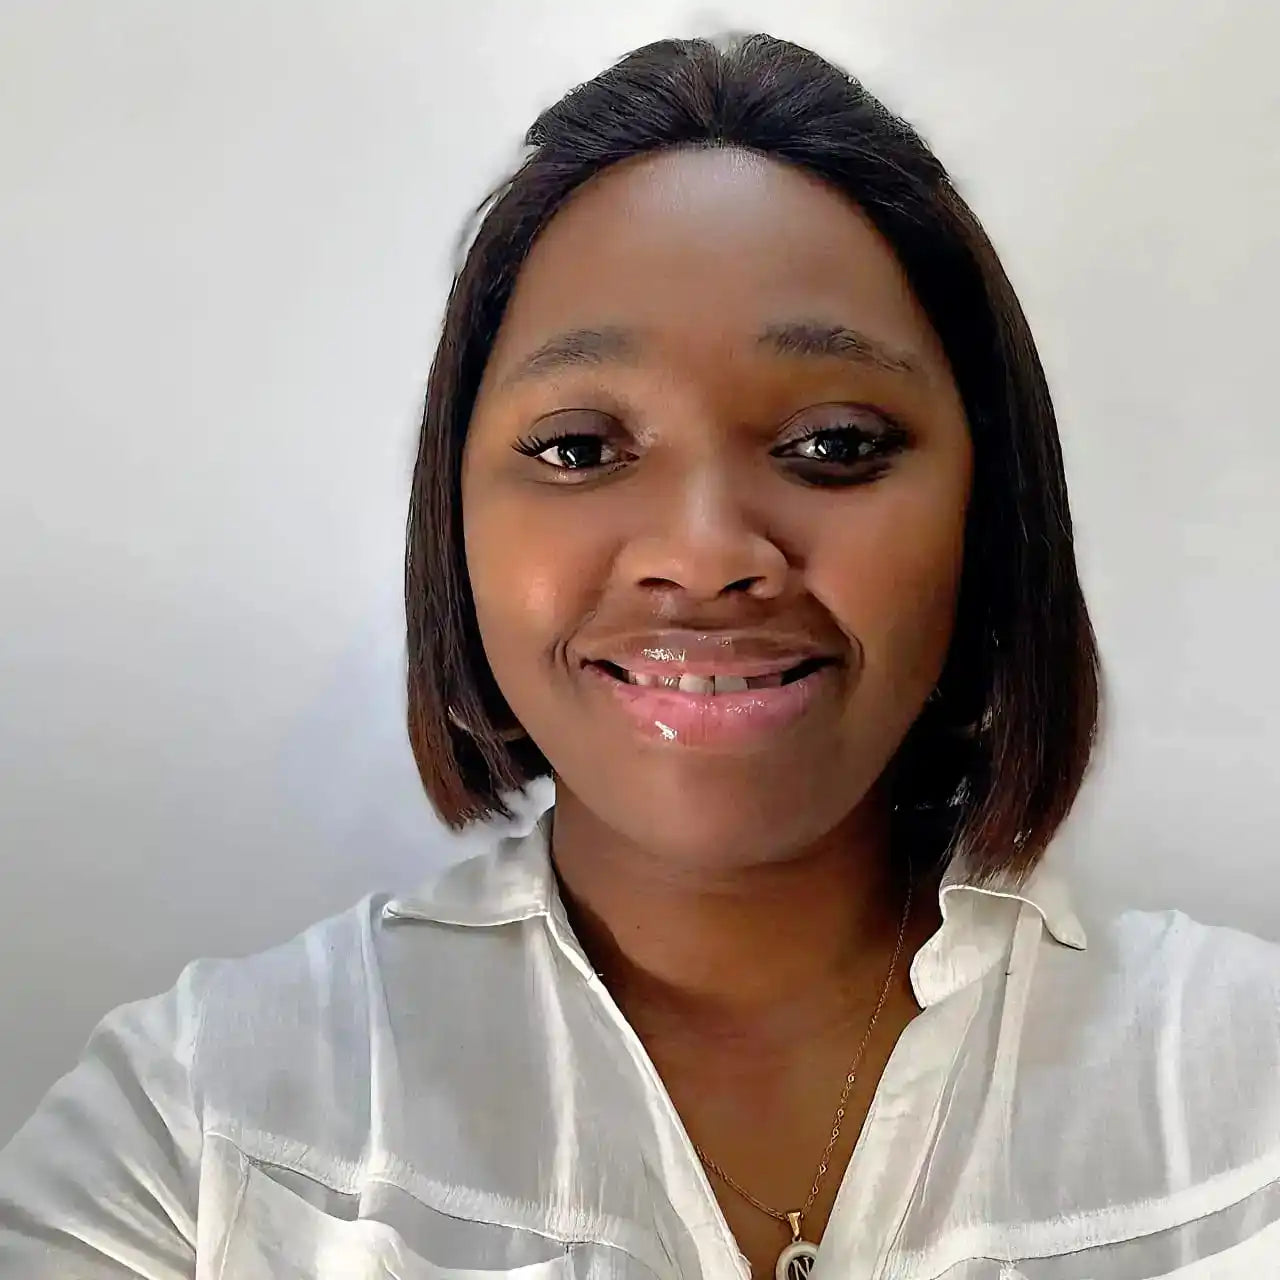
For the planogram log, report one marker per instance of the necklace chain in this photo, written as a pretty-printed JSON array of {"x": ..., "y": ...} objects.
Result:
[{"x": 794, "y": 1218}]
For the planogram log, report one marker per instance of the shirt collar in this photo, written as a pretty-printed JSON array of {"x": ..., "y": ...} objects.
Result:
[
  {"x": 512, "y": 880},
  {"x": 977, "y": 925}
]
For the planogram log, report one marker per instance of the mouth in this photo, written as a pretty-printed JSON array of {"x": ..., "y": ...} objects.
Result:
[
  {"x": 712, "y": 684},
  {"x": 739, "y": 711}
]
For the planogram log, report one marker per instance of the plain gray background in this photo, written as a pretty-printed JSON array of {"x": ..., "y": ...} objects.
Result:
[{"x": 226, "y": 232}]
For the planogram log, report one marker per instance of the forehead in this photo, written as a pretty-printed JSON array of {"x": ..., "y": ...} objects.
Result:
[{"x": 698, "y": 250}]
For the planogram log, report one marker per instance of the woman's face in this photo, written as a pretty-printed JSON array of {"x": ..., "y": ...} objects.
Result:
[{"x": 717, "y": 445}]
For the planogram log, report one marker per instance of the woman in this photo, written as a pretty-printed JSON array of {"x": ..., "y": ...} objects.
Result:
[{"x": 738, "y": 511}]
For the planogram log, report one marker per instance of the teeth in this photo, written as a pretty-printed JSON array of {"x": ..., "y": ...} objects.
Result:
[
  {"x": 704, "y": 684},
  {"x": 697, "y": 684}
]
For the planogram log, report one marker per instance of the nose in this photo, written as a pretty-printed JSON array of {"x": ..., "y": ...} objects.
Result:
[{"x": 703, "y": 541}]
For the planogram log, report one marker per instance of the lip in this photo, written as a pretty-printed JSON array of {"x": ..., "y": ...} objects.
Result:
[
  {"x": 666, "y": 654},
  {"x": 718, "y": 720}
]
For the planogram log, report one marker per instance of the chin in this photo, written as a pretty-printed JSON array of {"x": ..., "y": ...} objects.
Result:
[{"x": 702, "y": 823}]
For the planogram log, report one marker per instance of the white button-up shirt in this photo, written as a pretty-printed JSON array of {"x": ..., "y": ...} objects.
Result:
[{"x": 438, "y": 1085}]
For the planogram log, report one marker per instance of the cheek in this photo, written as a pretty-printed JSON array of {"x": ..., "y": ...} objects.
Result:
[
  {"x": 891, "y": 579},
  {"x": 530, "y": 579}
]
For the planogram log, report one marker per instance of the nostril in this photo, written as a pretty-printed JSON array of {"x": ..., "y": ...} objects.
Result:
[{"x": 756, "y": 585}]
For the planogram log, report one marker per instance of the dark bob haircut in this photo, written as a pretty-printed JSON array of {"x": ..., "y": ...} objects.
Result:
[{"x": 994, "y": 762}]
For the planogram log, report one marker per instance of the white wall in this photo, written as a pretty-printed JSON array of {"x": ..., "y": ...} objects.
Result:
[{"x": 226, "y": 229}]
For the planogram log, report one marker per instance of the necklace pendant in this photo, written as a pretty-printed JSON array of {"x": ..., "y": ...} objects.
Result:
[{"x": 796, "y": 1261}]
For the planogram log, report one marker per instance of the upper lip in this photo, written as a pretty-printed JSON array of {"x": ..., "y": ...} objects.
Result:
[{"x": 708, "y": 653}]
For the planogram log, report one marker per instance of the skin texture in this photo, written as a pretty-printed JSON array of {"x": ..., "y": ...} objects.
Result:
[{"x": 738, "y": 901}]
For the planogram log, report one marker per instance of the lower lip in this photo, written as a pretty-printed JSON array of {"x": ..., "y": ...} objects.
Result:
[{"x": 713, "y": 720}]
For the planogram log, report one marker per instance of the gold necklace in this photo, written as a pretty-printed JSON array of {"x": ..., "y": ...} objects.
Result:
[{"x": 795, "y": 1262}]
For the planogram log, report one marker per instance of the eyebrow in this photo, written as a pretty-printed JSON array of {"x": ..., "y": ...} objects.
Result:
[
  {"x": 818, "y": 338},
  {"x": 575, "y": 347},
  {"x": 615, "y": 344}
]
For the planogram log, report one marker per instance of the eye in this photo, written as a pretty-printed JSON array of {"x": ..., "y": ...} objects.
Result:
[
  {"x": 845, "y": 451},
  {"x": 577, "y": 444},
  {"x": 571, "y": 452}
]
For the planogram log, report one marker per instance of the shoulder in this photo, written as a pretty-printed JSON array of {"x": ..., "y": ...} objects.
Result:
[
  {"x": 1159, "y": 1044},
  {"x": 326, "y": 977},
  {"x": 329, "y": 979},
  {"x": 1162, "y": 978},
  {"x": 1118, "y": 1091},
  {"x": 321, "y": 1004},
  {"x": 286, "y": 999}
]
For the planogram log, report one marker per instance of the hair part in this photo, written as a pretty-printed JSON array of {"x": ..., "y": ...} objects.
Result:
[{"x": 994, "y": 763}]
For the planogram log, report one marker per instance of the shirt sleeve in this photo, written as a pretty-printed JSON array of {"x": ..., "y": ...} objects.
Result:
[{"x": 102, "y": 1181}]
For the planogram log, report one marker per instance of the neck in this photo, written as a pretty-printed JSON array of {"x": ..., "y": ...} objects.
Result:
[{"x": 808, "y": 933}]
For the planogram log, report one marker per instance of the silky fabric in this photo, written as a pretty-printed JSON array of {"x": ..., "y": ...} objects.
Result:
[{"x": 439, "y": 1085}]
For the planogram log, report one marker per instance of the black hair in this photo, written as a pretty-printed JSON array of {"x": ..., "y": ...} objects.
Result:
[{"x": 994, "y": 762}]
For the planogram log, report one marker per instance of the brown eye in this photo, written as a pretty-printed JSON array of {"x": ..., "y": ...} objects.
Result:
[
  {"x": 571, "y": 452},
  {"x": 575, "y": 440},
  {"x": 844, "y": 445},
  {"x": 576, "y": 453},
  {"x": 846, "y": 451}
]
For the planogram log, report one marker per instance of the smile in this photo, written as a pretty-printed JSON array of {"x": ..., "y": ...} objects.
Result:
[
  {"x": 713, "y": 710},
  {"x": 714, "y": 684}
]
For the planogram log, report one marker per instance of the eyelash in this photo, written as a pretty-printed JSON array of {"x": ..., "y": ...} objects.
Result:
[
  {"x": 881, "y": 446},
  {"x": 533, "y": 446},
  {"x": 884, "y": 445}
]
